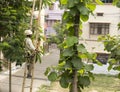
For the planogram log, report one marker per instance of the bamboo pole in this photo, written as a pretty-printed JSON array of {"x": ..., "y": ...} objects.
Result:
[
  {"x": 31, "y": 22},
  {"x": 31, "y": 85},
  {"x": 37, "y": 44}
]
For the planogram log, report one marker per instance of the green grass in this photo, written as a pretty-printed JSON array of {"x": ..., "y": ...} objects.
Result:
[
  {"x": 43, "y": 88},
  {"x": 102, "y": 83}
]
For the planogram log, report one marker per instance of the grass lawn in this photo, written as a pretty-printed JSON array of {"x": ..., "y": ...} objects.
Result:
[{"x": 102, "y": 83}]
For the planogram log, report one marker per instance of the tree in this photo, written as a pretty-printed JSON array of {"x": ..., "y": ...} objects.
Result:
[
  {"x": 13, "y": 22},
  {"x": 71, "y": 71}
]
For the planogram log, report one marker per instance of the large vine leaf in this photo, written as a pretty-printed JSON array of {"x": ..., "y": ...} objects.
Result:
[
  {"x": 91, "y": 6},
  {"x": 117, "y": 68},
  {"x": 89, "y": 67},
  {"x": 84, "y": 80},
  {"x": 119, "y": 75},
  {"x": 63, "y": 1},
  {"x": 68, "y": 52},
  {"x": 83, "y": 10},
  {"x": 118, "y": 4},
  {"x": 70, "y": 3},
  {"x": 77, "y": 62},
  {"x": 63, "y": 82},
  {"x": 99, "y": 2},
  {"x": 84, "y": 17},
  {"x": 65, "y": 79},
  {"x": 52, "y": 76},
  {"x": 47, "y": 71},
  {"x": 76, "y": 1},
  {"x": 81, "y": 48},
  {"x": 70, "y": 41}
]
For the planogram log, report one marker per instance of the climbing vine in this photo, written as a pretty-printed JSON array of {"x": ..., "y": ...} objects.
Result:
[{"x": 72, "y": 72}]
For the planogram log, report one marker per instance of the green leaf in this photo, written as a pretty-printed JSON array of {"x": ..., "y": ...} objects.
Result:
[
  {"x": 68, "y": 52},
  {"x": 118, "y": 4},
  {"x": 84, "y": 80},
  {"x": 68, "y": 25},
  {"x": 82, "y": 55},
  {"x": 70, "y": 41},
  {"x": 52, "y": 76},
  {"x": 47, "y": 71},
  {"x": 116, "y": 68},
  {"x": 38, "y": 57},
  {"x": 110, "y": 67},
  {"x": 99, "y": 2},
  {"x": 63, "y": 81},
  {"x": 91, "y": 75},
  {"x": 91, "y": 6},
  {"x": 118, "y": 52},
  {"x": 70, "y": 3},
  {"x": 119, "y": 75},
  {"x": 83, "y": 10},
  {"x": 76, "y": 1},
  {"x": 5, "y": 44},
  {"x": 68, "y": 65},
  {"x": 77, "y": 62},
  {"x": 89, "y": 67},
  {"x": 98, "y": 62},
  {"x": 73, "y": 12},
  {"x": 84, "y": 17},
  {"x": 63, "y": 1},
  {"x": 81, "y": 48},
  {"x": 112, "y": 61}
]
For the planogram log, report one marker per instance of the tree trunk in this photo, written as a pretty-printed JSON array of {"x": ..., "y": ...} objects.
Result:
[
  {"x": 74, "y": 84},
  {"x": 76, "y": 33},
  {"x": 10, "y": 78}
]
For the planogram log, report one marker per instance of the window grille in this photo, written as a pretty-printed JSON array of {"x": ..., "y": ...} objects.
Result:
[
  {"x": 99, "y": 28},
  {"x": 107, "y": 1}
]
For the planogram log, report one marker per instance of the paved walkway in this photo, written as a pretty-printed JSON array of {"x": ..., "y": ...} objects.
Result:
[{"x": 40, "y": 78}]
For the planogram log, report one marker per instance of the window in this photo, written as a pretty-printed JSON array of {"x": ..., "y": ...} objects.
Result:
[
  {"x": 99, "y": 14},
  {"x": 107, "y": 1},
  {"x": 99, "y": 28}
]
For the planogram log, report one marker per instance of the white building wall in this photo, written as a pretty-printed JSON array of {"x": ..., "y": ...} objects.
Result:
[
  {"x": 111, "y": 14},
  {"x": 52, "y": 16}
]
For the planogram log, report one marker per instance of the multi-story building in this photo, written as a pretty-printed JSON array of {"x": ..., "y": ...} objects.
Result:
[
  {"x": 105, "y": 20},
  {"x": 52, "y": 14}
]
